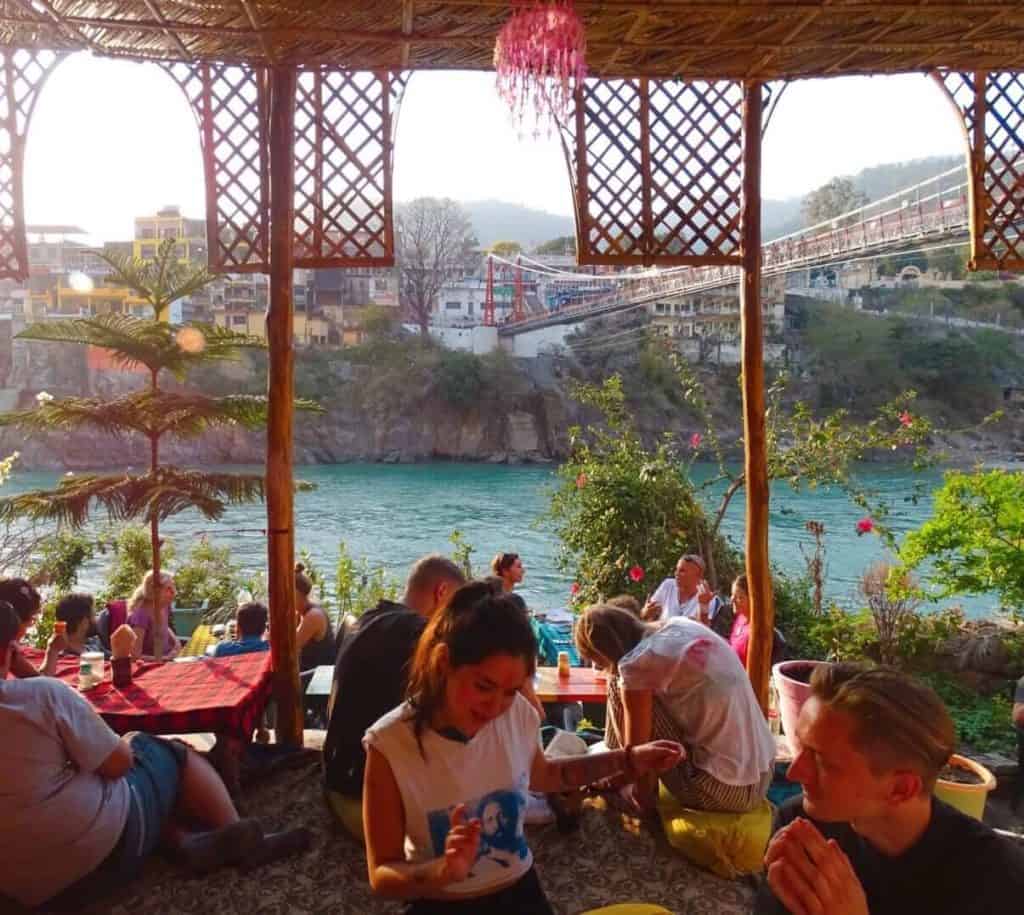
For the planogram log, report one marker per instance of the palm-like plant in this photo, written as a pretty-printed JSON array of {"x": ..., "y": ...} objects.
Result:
[{"x": 154, "y": 412}]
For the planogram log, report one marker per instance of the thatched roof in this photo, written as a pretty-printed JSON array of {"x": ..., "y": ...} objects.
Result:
[{"x": 767, "y": 39}]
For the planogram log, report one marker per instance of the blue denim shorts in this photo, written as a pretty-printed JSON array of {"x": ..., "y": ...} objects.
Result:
[{"x": 153, "y": 782}]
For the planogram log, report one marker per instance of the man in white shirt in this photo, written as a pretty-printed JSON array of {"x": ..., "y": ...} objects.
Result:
[{"x": 688, "y": 594}]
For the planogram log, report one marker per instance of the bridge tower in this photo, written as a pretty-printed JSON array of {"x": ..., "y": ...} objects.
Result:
[
  {"x": 518, "y": 305},
  {"x": 489, "y": 294}
]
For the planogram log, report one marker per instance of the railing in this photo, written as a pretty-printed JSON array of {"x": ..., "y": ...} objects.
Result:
[{"x": 932, "y": 209}]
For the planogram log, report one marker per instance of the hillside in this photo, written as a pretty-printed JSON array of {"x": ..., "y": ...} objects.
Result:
[
  {"x": 780, "y": 217},
  {"x": 499, "y": 220}
]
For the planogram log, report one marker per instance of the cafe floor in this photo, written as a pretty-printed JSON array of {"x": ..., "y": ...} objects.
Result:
[{"x": 609, "y": 859}]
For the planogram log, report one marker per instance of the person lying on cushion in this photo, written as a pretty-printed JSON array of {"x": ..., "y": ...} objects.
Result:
[
  {"x": 81, "y": 808},
  {"x": 867, "y": 836},
  {"x": 680, "y": 681}
]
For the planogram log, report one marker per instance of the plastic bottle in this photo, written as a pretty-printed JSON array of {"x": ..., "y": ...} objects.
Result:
[{"x": 85, "y": 675}]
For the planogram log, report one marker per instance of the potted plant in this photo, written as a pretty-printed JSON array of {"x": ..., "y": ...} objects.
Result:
[
  {"x": 793, "y": 683},
  {"x": 965, "y": 784}
]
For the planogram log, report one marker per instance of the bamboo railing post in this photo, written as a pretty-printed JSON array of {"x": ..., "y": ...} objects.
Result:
[
  {"x": 762, "y": 607},
  {"x": 281, "y": 395}
]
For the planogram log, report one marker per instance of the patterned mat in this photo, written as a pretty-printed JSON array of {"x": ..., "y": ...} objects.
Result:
[{"x": 610, "y": 859}]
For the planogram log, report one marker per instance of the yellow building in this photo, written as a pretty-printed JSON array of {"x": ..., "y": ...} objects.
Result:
[
  {"x": 150, "y": 231},
  {"x": 308, "y": 329},
  {"x": 100, "y": 300}
]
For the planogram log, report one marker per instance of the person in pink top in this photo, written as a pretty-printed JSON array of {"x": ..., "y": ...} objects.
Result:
[
  {"x": 149, "y": 609},
  {"x": 739, "y": 635}
]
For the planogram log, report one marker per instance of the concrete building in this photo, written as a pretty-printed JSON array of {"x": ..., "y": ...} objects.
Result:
[{"x": 190, "y": 235}]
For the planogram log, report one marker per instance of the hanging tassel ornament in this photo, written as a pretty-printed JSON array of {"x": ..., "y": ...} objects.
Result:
[{"x": 540, "y": 55}]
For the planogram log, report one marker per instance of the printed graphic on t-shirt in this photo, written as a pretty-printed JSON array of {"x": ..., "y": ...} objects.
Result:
[{"x": 502, "y": 841}]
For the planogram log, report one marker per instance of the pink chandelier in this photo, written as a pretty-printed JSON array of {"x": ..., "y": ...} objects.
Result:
[{"x": 539, "y": 55}]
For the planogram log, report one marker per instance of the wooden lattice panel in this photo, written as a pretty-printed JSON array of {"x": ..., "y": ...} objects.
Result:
[
  {"x": 992, "y": 108},
  {"x": 656, "y": 167},
  {"x": 230, "y": 107},
  {"x": 23, "y": 74},
  {"x": 344, "y": 142}
]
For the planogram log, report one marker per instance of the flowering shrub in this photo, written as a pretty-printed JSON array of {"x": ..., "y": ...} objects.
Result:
[{"x": 625, "y": 513}]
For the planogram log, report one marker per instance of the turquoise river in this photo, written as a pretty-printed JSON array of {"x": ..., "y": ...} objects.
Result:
[{"x": 393, "y": 513}]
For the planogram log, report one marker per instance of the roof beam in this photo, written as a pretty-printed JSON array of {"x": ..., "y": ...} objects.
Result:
[
  {"x": 174, "y": 36},
  {"x": 69, "y": 32},
  {"x": 250, "y": 14},
  {"x": 408, "y": 18}
]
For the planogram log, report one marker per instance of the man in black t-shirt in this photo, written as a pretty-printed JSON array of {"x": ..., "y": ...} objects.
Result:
[
  {"x": 371, "y": 670},
  {"x": 868, "y": 838}
]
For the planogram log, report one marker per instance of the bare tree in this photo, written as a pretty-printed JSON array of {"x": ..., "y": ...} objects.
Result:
[
  {"x": 831, "y": 200},
  {"x": 434, "y": 239}
]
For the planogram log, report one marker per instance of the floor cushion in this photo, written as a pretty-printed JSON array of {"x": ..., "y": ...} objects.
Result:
[
  {"x": 727, "y": 844},
  {"x": 348, "y": 811}
]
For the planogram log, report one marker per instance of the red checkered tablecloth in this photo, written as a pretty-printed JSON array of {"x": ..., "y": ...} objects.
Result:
[{"x": 219, "y": 695}]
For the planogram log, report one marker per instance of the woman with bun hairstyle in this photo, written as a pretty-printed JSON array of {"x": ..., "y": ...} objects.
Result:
[
  {"x": 315, "y": 636},
  {"x": 449, "y": 770}
]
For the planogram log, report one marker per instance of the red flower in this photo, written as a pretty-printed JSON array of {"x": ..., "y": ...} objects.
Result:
[
  {"x": 574, "y": 588},
  {"x": 636, "y": 574},
  {"x": 906, "y": 420},
  {"x": 581, "y": 481},
  {"x": 865, "y": 526},
  {"x": 695, "y": 440}
]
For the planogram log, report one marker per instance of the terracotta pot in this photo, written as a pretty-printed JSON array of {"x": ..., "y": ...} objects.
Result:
[
  {"x": 793, "y": 692},
  {"x": 968, "y": 798}
]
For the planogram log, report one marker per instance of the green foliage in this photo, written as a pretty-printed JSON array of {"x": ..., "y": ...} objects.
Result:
[
  {"x": 506, "y": 249},
  {"x": 982, "y": 722},
  {"x": 951, "y": 262},
  {"x": 620, "y": 505},
  {"x": 359, "y": 586},
  {"x": 207, "y": 575},
  {"x": 131, "y": 556},
  {"x": 833, "y": 199},
  {"x": 60, "y": 558},
  {"x": 459, "y": 377},
  {"x": 462, "y": 552},
  {"x": 974, "y": 541}
]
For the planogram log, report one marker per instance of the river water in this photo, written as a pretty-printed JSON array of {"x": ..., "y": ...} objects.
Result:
[{"x": 392, "y": 514}]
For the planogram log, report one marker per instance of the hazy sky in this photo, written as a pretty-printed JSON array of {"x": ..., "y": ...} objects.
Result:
[{"x": 112, "y": 139}]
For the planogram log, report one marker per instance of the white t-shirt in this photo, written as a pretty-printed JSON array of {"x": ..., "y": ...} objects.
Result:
[
  {"x": 58, "y": 819},
  {"x": 490, "y": 774},
  {"x": 700, "y": 680},
  {"x": 668, "y": 596}
]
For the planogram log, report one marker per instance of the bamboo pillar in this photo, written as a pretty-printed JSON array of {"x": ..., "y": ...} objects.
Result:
[
  {"x": 281, "y": 396},
  {"x": 762, "y": 607}
]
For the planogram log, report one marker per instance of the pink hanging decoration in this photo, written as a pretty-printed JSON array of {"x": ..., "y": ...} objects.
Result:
[{"x": 540, "y": 54}]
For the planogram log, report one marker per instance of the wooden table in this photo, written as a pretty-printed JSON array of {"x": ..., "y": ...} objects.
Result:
[{"x": 584, "y": 684}]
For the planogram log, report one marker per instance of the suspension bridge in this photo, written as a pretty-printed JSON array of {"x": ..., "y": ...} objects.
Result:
[{"x": 929, "y": 215}]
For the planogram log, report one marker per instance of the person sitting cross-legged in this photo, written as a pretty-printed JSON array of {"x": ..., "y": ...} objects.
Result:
[
  {"x": 75, "y": 611},
  {"x": 81, "y": 808},
  {"x": 251, "y": 623},
  {"x": 868, "y": 836},
  {"x": 680, "y": 681}
]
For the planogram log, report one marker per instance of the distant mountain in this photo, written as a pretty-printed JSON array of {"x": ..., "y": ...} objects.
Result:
[
  {"x": 780, "y": 217},
  {"x": 498, "y": 220}
]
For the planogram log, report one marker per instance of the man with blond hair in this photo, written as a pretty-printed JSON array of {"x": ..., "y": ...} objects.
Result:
[{"x": 868, "y": 837}]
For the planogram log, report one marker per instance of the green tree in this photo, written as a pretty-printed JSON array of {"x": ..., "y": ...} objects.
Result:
[
  {"x": 974, "y": 541},
  {"x": 154, "y": 412},
  {"x": 831, "y": 200},
  {"x": 950, "y": 262},
  {"x": 564, "y": 245},
  {"x": 622, "y": 512},
  {"x": 506, "y": 249}
]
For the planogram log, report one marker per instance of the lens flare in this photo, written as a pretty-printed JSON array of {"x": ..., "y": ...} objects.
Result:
[
  {"x": 191, "y": 340},
  {"x": 80, "y": 282}
]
